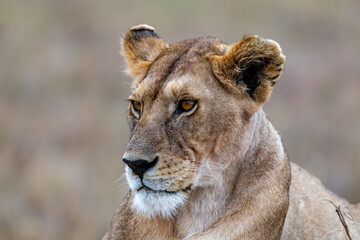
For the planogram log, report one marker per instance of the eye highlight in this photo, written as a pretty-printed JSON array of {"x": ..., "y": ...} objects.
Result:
[
  {"x": 186, "y": 105},
  {"x": 135, "y": 107}
]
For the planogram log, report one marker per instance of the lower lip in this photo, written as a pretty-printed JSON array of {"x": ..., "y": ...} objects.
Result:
[{"x": 152, "y": 190}]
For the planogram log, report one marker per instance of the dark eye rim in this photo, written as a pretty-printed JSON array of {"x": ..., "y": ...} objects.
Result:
[
  {"x": 133, "y": 106},
  {"x": 180, "y": 109}
]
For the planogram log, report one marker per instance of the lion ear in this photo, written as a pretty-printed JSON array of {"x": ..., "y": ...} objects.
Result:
[
  {"x": 140, "y": 46},
  {"x": 252, "y": 65}
]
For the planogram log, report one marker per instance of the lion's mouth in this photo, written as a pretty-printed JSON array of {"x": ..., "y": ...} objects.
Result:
[{"x": 146, "y": 188}]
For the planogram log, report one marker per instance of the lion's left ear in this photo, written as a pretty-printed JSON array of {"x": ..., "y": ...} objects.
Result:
[
  {"x": 140, "y": 46},
  {"x": 251, "y": 65}
]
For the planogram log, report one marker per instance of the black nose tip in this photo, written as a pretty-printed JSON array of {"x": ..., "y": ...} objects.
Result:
[{"x": 140, "y": 166}]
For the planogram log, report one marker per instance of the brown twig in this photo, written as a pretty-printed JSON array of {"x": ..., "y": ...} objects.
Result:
[{"x": 342, "y": 219}]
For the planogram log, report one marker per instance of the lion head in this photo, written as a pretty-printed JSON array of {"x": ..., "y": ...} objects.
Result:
[{"x": 190, "y": 109}]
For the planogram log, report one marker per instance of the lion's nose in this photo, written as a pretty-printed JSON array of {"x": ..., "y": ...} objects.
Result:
[{"x": 140, "y": 166}]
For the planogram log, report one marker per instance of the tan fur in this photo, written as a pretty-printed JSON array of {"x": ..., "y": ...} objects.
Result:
[
  {"x": 141, "y": 51},
  {"x": 222, "y": 163}
]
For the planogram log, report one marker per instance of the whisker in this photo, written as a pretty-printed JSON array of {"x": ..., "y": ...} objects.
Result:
[{"x": 120, "y": 179}]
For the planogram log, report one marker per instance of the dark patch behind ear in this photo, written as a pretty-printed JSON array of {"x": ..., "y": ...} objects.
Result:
[
  {"x": 137, "y": 34},
  {"x": 251, "y": 75}
]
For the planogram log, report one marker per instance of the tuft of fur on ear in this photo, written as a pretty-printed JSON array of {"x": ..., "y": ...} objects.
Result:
[
  {"x": 252, "y": 65},
  {"x": 140, "y": 46}
]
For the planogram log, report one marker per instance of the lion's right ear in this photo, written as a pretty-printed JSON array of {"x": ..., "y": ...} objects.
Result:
[
  {"x": 252, "y": 65},
  {"x": 140, "y": 46}
]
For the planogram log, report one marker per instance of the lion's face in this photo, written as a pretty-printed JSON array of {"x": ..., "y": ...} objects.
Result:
[
  {"x": 185, "y": 119},
  {"x": 179, "y": 128}
]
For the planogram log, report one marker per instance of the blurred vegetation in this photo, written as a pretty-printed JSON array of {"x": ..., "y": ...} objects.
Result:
[{"x": 62, "y": 110}]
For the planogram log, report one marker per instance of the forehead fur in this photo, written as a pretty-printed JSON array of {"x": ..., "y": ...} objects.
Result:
[{"x": 182, "y": 58}]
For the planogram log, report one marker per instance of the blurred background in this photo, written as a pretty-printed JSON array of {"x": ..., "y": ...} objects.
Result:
[{"x": 63, "y": 122}]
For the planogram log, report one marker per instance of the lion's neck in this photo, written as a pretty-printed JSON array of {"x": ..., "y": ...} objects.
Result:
[{"x": 207, "y": 204}]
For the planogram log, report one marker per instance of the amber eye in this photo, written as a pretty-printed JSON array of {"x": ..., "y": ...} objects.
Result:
[
  {"x": 136, "y": 106},
  {"x": 186, "y": 105}
]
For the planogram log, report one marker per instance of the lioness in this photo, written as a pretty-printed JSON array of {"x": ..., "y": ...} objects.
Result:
[{"x": 203, "y": 160}]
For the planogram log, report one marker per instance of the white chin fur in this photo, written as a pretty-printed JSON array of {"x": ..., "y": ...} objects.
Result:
[{"x": 151, "y": 204}]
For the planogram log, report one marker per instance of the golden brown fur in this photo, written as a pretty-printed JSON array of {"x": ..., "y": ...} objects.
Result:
[{"x": 219, "y": 170}]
